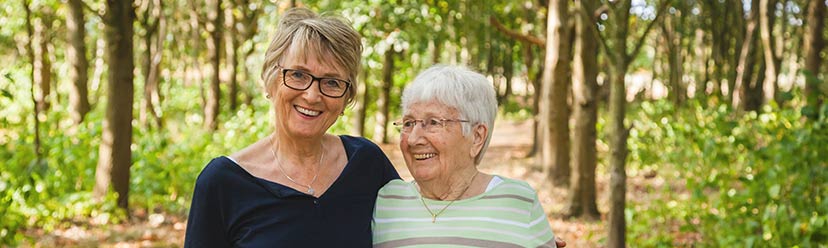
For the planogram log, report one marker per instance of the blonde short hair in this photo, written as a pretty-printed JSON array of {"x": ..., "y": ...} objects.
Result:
[{"x": 330, "y": 38}]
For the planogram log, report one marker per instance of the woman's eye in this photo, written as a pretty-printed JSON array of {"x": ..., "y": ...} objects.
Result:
[
  {"x": 435, "y": 122},
  {"x": 297, "y": 75},
  {"x": 331, "y": 83}
]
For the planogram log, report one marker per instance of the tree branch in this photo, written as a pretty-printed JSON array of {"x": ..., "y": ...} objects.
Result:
[
  {"x": 590, "y": 14},
  {"x": 517, "y": 35},
  {"x": 640, "y": 41},
  {"x": 98, "y": 13}
]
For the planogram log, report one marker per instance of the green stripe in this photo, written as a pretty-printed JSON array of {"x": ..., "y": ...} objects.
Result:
[{"x": 446, "y": 241}]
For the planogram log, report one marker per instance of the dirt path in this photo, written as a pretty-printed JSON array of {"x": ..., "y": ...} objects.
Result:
[{"x": 510, "y": 143}]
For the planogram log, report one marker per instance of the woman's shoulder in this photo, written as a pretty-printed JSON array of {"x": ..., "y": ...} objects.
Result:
[
  {"x": 515, "y": 187},
  {"x": 218, "y": 170},
  {"x": 397, "y": 187},
  {"x": 357, "y": 142},
  {"x": 360, "y": 145}
]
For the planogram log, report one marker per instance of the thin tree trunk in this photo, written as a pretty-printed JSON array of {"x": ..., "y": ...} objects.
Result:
[
  {"x": 114, "y": 153},
  {"x": 97, "y": 73},
  {"x": 751, "y": 91},
  {"x": 232, "y": 59},
  {"x": 745, "y": 67},
  {"x": 155, "y": 66},
  {"x": 42, "y": 64},
  {"x": 76, "y": 56},
  {"x": 32, "y": 58},
  {"x": 211, "y": 106},
  {"x": 151, "y": 60},
  {"x": 814, "y": 45},
  {"x": 735, "y": 20},
  {"x": 673, "y": 45},
  {"x": 617, "y": 131},
  {"x": 508, "y": 71},
  {"x": 699, "y": 49},
  {"x": 360, "y": 105},
  {"x": 381, "y": 117},
  {"x": 771, "y": 61},
  {"x": 582, "y": 192},
  {"x": 554, "y": 110}
]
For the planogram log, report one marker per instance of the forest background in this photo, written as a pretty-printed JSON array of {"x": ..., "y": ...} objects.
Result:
[{"x": 654, "y": 123}]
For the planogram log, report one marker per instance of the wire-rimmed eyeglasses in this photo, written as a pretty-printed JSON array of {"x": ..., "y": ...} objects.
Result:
[{"x": 430, "y": 125}]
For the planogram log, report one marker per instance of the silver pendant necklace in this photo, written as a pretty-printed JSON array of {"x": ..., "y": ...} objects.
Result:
[{"x": 315, "y": 174}]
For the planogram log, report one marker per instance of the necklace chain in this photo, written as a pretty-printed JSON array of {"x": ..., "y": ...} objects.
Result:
[
  {"x": 434, "y": 215},
  {"x": 315, "y": 174}
]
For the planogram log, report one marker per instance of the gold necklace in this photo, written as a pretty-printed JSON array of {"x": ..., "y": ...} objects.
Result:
[
  {"x": 315, "y": 174},
  {"x": 433, "y": 215}
]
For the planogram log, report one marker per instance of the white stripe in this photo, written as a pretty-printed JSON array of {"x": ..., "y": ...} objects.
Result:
[
  {"x": 543, "y": 232},
  {"x": 396, "y": 187},
  {"x": 536, "y": 221},
  {"x": 448, "y": 219},
  {"x": 454, "y": 229},
  {"x": 418, "y": 208},
  {"x": 520, "y": 187}
]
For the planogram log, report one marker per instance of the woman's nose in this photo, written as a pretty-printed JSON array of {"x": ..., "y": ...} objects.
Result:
[{"x": 417, "y": 134}]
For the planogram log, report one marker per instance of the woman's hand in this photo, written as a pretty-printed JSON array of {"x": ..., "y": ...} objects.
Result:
[{"x": 559, "y": 242}]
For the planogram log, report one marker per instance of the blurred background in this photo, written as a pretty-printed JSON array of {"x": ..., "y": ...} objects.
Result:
[{"x": 648, "y": 123}]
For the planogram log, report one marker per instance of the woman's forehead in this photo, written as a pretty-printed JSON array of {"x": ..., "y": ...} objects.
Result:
[
  {"x": 429, "y": 108},
  {"x": 299, "y": 54}
]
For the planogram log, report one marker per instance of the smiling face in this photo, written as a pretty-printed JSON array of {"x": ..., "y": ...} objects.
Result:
[
  {"x": 308, "y": 113},
  {"x": 437, "y": 155}
]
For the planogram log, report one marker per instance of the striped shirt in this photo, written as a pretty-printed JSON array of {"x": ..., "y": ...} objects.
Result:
[{"x": 507, "y": 215}]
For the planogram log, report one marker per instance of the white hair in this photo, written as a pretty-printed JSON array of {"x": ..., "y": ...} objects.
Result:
[{"x": 469, "y": 92}]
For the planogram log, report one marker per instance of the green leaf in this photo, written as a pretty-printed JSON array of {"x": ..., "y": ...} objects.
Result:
[{"x": 774, "y": 191}]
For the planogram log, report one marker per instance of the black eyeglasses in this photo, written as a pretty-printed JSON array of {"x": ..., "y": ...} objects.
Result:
[{"x": 301, "y": 80}]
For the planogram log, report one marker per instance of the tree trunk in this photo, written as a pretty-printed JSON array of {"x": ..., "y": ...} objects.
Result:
[
  {"x": 76, "y": 56},
  {"x": 114, "y": 153},
  {"x": 42, "y": 64},
  {"x": 673, "y": 45},
  {"x": 771, "y": 60},
  {"x": 32, "y": 58},
  {"x": 97, "y": 73},
  {"x": 381, "y": 117},
  {"x": 211, "y": 106},
  {"x": 232, "y": 59},
  {"x": 582, "y": 192},
  {"x": 814, "y": 44},
  {"x": 153, "y": 44},
  {"x": 360, "y": 105},
  {"x": 735, "y": 21},
  {"x": 699, "y": 49},
  {"x": 745, "y": 68},
  {"x": 554, "y": 110},
  {"x": 618, "y": 132},
  {"x": 751, "y": 90}
]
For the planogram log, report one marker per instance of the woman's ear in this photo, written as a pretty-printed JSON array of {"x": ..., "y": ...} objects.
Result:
[{"x": 479, "y": 134}]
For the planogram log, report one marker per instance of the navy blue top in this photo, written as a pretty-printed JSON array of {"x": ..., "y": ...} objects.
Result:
[{"x": 232, "y": 208}]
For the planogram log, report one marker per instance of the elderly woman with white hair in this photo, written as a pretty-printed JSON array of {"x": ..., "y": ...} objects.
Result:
[{"x": 448, "y": 116}]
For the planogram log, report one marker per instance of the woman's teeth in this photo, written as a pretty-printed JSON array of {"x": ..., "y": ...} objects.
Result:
[
  {"x": 424, "y": 156},
  {"x": 307, "y": 112}
]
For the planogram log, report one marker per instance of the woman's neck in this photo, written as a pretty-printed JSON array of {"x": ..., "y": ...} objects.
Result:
[
  {"x": 455, "y": 187},
  {"x": 305, "y": 151}
]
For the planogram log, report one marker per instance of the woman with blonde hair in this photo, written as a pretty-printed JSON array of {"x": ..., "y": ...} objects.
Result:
[{"x": 299, "y": 186}]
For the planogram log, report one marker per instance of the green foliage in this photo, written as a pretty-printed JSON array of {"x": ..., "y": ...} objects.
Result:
[
  {"x": 752, "y": 180},
  {"x": 56, "y": 191}
]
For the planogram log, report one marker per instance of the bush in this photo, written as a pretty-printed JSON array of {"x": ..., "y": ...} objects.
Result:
[{"x": 752, "y": 180}]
